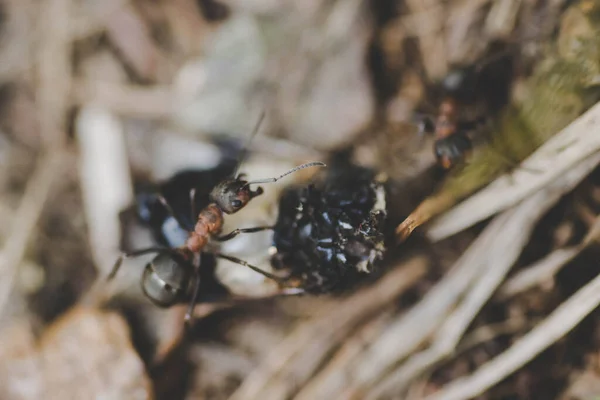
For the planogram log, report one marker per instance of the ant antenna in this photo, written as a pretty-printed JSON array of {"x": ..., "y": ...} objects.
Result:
[
  {"x": 245, "y": 149},
  {"x": 291, "y": 171}
]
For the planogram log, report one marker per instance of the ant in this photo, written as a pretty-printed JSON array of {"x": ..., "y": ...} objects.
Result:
[
  {"x": 452, "y": 144},
  {"x": 461, "y": 86},
  {"x": 173, "y": 272}
]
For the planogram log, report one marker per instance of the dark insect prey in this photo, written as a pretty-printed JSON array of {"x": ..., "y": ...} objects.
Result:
[
  {"x": 174, "y": 273},
  {"x": 329, "y": 234}
]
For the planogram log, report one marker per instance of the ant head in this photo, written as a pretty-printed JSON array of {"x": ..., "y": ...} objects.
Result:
[
  {"x": 165, "y": 280},
  {"x": 232, "y": 195}
]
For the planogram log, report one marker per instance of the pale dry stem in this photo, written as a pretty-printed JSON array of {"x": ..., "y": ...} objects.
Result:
[{"x": 308, "y": 346}]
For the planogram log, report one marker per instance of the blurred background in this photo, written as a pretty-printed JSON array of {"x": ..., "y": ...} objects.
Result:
[{"x": 104, "y": 103}]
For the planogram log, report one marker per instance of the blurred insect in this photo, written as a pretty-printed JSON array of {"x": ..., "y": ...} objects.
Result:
[
  {"x": 563, "y": 84},
  {"x": 329, "y": 235},
  {"x": 452, "y": 144},
  {"x": 452, "y": 131},
  {"x": 175, "y": 272}
]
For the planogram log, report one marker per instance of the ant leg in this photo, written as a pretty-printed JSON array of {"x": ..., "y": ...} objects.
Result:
[
  {"x": 190, "y": 311},
  {"x": 193, "y": 204},
  {"x": 252, "y": 267},
  {"x": 136, "y": 253},
  {"x": 172, "y": 212},
  {"x": 236, "y": 232}
]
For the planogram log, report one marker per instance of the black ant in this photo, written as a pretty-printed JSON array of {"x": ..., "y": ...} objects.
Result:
[
  {"x": 452, "y": 144},
  {"x": 168, "y": 278},
  {"x": 452, "y": 134}
]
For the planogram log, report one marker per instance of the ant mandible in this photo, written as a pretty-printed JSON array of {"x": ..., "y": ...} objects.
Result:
[{"x": 167, "y": 277}]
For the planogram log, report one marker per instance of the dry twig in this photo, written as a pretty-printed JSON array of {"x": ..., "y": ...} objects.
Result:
[
  {"x": 293, "y": 361},
  {"x": 539, "y": 272},
  {"x": 54, "y": 82},
  {"x": 25, "y": 220},
  {"x": 554, "y": 327}
]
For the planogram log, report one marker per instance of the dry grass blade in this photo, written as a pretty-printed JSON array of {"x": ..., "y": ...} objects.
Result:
[
  {"x": 25, "y": 220},
  {"x": 306, "y": 348},
  {"x": 431, "y": 44},
  {"x": 350, "y": 349},
  {"x": 106, "y": 187},
  {"x": 514, "y": 229},
  {"x": 54, "y": 70},
  {"x": 538, "y": 273},
  {"x": 15, "y": 58},
  {"x": 559, "y": 323},
  {"x": 562, "y": 152},
  {"x": 127, "y": 100},
  {"x": 54, "y": 81}
]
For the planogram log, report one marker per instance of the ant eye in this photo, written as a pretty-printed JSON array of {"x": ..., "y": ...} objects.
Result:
[{"x": 236, "y": 203}]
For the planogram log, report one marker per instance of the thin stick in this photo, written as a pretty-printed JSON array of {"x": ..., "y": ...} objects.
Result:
[
  {"x": 538, "y": 273},
  {"x": 25, "y": 220},
  {"x": 554, "y": 327},
  {"x": 511, "y": 231},
  {"x": 293, "y": 361}
]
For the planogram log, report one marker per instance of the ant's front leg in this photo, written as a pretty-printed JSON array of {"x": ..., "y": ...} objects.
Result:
[
  {"x": 236, "y": 260},
  {"x": 236, "y": 232}
]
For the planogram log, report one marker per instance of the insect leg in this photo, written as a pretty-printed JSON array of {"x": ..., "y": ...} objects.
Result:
[
  {"x": 170, "y": 210},
  {"x": 236, "y": 232},
  {"x": 136, "y": 253},
  {"x": 193, "y": 204},
  {"x": 190, "y": 311},
  {"x": 252, "y": 267}
]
